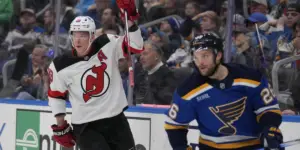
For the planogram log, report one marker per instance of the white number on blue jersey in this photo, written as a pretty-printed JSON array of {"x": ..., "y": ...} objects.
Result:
[
  {"x": 267, "y": 95},
  {"x": 173, "y": 111}
]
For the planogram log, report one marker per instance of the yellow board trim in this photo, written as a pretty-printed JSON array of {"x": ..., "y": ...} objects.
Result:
[
  {"x": 241, "y": 80},
  {"x": 186, "y": 96},
  {"x": 277, "y": 111},
  {"x": 173, "y": 127},
  {"x": 229, "y": 145}
]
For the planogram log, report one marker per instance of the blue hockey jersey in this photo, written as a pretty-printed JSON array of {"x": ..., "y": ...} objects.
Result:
[{"x": 227, "y": 112}]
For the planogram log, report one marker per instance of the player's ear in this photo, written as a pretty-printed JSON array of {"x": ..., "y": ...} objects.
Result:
[
  {"x": 93, "y": 37},
  {"x": 219, "y": 57}
]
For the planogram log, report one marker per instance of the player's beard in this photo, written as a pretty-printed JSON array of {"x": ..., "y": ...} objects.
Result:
[{"x": 210, "y": 71}]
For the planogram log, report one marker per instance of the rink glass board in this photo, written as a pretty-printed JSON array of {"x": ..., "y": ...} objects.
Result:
[
  {"x": 33, "y": 130},
  {"x": 26, "y": 125}
]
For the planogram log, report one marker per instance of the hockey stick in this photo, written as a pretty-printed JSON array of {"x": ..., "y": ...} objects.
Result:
[
  {"x": 260, "y": 43},
  {"x": 287, "y": 144},
  {"x": 130, "y": 68},
  {"x": 261, "y": 47},
  {"x": 130, "y": 63}
]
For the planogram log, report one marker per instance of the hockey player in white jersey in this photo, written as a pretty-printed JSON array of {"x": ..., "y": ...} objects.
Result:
[{"x": 90, "y": 79}]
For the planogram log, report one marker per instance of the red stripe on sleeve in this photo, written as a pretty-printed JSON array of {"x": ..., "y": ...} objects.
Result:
[
  {"x": 57, "y": 94},
  {"x": 131, "y": 49}
]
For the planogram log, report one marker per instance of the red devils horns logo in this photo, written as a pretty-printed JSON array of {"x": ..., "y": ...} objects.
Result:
[{"x": 94, "y": 82}]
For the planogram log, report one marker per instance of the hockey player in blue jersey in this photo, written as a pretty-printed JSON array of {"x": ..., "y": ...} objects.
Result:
[{"x": 232, "y": 104}]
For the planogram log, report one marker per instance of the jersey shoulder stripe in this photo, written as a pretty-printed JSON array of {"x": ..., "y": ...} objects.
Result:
[
  {"x": 69, "y": 58},
  {"x": 197, "y": 91},
  {"x": 196, "y": 84}
]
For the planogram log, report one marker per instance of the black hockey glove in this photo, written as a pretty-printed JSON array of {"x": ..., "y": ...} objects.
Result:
[{"x": 271, "y": 138}]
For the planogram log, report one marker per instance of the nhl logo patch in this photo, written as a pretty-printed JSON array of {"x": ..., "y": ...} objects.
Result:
[{"x": 222, "y": 86}]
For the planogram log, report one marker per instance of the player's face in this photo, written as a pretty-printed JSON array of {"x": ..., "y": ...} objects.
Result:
[
  {"x": 205, "y": 62},
  {"x": 81, "y": 41}
]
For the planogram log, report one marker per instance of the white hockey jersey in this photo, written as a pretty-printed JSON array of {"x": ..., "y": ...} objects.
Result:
[{"x": 93, "y": 84}]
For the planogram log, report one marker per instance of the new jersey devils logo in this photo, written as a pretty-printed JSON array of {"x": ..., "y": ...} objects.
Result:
[{"x": 94, "y": 82}]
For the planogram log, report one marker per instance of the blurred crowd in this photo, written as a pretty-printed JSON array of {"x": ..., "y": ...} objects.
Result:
[{"x": 263, "y": 32}]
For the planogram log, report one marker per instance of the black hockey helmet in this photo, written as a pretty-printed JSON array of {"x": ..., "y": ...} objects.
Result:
[{"x": 207, "y": 41}]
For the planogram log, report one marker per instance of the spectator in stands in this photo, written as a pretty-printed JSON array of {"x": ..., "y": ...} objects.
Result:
[
  {"x": 290, "y": 48},
  {"x": 284, "y": 25},
  {"x": 247, "y": 50},
  {"x": 6, "y": 11},
  {"x": 94, "y": 10},
  {"x": 215, "y": 5},
  {"x": 192, "y": 8},
  {"x": 48, "y": 37},
  {"x": 257, "y": 19},
  {"x": 189, "y": 26},
  {"x": 293, "y": 14},
  {"x": 172, "y": 8},
  {"x": 40, "y": 81},
  {"x": 123, "y": 67},
  {"x": 260, "y": 6},
  {"x": 32, "y": 82},
  {"x": 109, "y": 19},
  {"x": 223, "y": 19},
  {"x": 244, "y": 54},
  {"x": 160, "y": 81},
  {"x": 181, "y": 57},
  {"x": 100, "y": 5},
  {"x": 171, "y": 29},
  {"x": 28, "y": 72},
  {"x": 209, "y": 22},
  {"x": 67, "y": 15},
  {"x": 83, "y": 6},
  {"x": 28, "y": 31},
  {"x": 162, "y": 40},
  {"x": 154, "y": 9},
  {"x": 36, "y": 5}
]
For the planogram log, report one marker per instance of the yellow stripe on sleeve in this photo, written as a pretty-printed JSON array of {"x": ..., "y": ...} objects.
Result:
[
  {"x": 230, "y": 145},
  {"x": 173, "y": 127}
]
